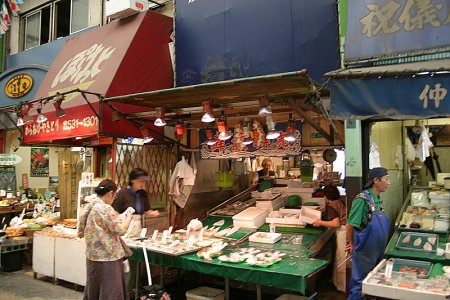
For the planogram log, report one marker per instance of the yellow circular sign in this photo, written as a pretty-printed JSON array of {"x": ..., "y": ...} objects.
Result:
[{"x": 18, "y": 86}]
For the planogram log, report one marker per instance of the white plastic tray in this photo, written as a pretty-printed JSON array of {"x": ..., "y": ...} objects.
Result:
[{"x": 270, "y": 238}]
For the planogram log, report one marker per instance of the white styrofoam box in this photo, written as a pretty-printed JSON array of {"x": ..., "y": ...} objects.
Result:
[
  {"x": 440, "y": 178},
  {"x": 309, "y": 215},
  {"x": 447, "y": 251},
  {"x": 295, "y": 220},
  {"x": 205, "y": 293},
  {"x": 439, "y": 195},
  {"x": 275, "y": 204},
  {"x": 252, "y": 217},
  {"x": 118, "y": 9},
  {"x": 265, "y": 237}
]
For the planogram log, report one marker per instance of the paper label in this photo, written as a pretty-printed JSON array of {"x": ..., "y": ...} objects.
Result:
[
  {"x": 200, "y": 236},
  {"x": 388, "y": 270},
  {"x": 191, "y": 241},
  {"x": 164, "y": 235},
  {"x": 155, "y": 235},
  {"x": 170, "y": 230},
  {"x": 143, "y": 233}
]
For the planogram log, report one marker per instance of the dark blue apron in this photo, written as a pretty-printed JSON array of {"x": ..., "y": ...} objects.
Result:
[{"x": 368, "y": 249}]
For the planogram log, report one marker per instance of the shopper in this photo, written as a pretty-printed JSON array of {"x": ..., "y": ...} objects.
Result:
[
  {"x": 336, "y": 218},
  {"x": 136, "y": 197},
  {"x": 102, "y": 227},
  {"x": 367, "y": 230}
]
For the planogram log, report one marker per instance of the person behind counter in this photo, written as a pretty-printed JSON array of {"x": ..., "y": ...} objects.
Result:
[
  {"x": 336, "y": 218},
  {"x": 136, "y": 197},
  {"x": 263, "y": 178},
  {"x": 367, "y": 230},
  {"x": 102, "y": 227}
]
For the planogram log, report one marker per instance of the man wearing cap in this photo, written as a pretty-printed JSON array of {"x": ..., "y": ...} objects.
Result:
[
  {"x": 136, "y": 197},
  {"x": 367, "y": 230}
]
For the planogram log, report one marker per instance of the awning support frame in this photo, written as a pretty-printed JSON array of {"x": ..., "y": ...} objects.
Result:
[{"x": 291, "y": 103}]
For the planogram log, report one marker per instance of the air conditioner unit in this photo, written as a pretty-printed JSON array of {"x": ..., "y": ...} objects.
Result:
[{"x": 118, "y": 9}]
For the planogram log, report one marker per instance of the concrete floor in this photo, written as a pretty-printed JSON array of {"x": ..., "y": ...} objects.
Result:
[{"x": 21, "y": 285}]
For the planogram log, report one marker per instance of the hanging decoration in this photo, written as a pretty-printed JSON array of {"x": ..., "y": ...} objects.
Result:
[
  {"x": 212, "y": 147},
  {"x": 7, "y": 8}
]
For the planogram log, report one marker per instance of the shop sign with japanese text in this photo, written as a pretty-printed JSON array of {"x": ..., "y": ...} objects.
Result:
[
  {"x": 379, "y": 27},
  {"x": 10, "y": 159},
  {"x": 18, "y": 86},
  {"x": 405, "y": 97},
  {"x": 79, "y": 123},
  {"x": 261, "y": 146}
]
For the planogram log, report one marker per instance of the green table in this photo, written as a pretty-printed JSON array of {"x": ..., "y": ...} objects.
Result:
[
  {"x": 431, "y": 257},
  {"x": 291, "y": 273}
]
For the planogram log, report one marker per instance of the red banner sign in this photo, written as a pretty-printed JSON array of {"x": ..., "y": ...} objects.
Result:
[{"x": 78, "y": 122}]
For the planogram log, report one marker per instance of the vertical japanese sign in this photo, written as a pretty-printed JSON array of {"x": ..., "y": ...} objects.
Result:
[
  {"x": 379, "y": 27},
  {"x": 39, "y": 165}
]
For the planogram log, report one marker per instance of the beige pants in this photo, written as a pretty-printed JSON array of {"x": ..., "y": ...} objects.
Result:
[{"x": 339, "y": 276}]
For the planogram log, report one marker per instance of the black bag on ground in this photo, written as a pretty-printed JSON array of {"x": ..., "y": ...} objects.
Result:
[{"x": 153, "y": 292}]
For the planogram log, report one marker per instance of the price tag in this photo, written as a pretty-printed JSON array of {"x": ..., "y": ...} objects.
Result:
[
  {"x": 155, "y": 235},
  {"x": 4, "y": 227},
  {"x": 3, "y": 220},
  {"x": 388, "y": 270},
  {"x": 191, "y": 241},
  {"x": 143, "y": 233},
  {"x": 170, "y": 230},
  {"x": 202, "y": 231},
  {"x": 164, "y": 235},
  {"x": 28, "y": 205}
]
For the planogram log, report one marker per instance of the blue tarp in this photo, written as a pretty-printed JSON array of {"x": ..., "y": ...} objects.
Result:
[{"x": 218, "y": 40}]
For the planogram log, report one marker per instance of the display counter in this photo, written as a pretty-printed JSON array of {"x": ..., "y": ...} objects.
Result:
[{"x": 409, "y": 282}]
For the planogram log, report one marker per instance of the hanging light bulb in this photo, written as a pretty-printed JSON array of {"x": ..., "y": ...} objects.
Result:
[
  {"x": 210, "y": 135},
  {"x": 264, "y": 107},
  {"x": 19, "y": 119},
  {"x": 146, "y": 135},
  {"x": 247, "y": 140},
  {"x": 40, "y": 118},
  {"x": 57, "y": 100},
  {"x": 272, "y": 133},
  {"x": 160, "y": 117},
  {"x": 290, "y": 132},
  {"x": 222, "y": 127},
  {"x": 207, "y": 109}
]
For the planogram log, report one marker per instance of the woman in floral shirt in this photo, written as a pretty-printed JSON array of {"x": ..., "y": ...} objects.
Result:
[{"x": 102, "y": 227}]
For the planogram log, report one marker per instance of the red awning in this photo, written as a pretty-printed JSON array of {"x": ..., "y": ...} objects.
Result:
[{"x": 123, "y": 57}]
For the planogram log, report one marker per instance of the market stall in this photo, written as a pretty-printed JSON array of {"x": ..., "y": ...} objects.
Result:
[{"x": 417, "y": 254}]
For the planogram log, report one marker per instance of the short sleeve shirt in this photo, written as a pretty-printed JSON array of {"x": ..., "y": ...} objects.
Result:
[{"x": 358, "y": 215}]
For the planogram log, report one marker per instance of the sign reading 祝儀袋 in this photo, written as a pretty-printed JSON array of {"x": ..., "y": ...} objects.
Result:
[{"x": 379, "y": 27}]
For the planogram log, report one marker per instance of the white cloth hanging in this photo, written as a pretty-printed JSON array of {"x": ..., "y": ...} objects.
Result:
[
  {"x": 410, "y": 150},
  {"x": 182, "y": 181},
  {"x": 424, "y": 145},
  {"x": 374, "y": 157}
]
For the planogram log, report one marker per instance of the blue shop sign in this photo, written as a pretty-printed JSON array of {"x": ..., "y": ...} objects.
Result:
[
  {"x": 396, "y": 97},
  {"x": 379, "y": 27}
]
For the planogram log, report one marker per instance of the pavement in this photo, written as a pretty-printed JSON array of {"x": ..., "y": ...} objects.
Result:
[{"x": 21, "y": 285}]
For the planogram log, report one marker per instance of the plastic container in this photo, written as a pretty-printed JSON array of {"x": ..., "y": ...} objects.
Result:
[
  {"x": 224, "y": 179},
  {"x": 12, "y": 261},
  {"x": 306, "y": 173},
  {"x": 205, "y": 293}
]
